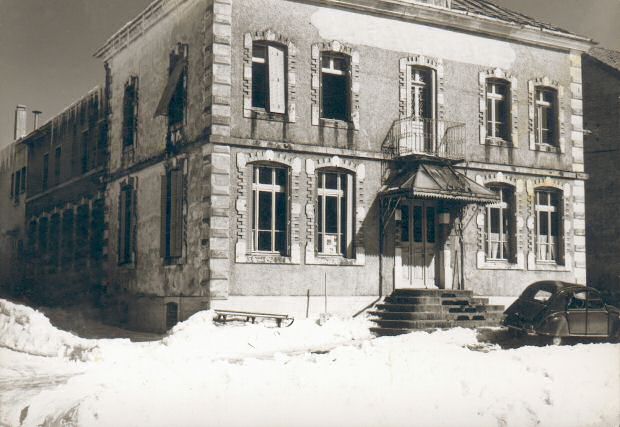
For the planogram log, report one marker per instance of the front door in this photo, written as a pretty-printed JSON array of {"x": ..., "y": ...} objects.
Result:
[{"x": 416, "y": 248}]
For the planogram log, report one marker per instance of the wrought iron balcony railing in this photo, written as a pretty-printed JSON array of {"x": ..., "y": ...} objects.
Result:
[{"x": 415, "y": 136}]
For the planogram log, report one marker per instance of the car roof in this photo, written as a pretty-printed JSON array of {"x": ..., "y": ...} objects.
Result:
[{"x": 553, "y": 286}]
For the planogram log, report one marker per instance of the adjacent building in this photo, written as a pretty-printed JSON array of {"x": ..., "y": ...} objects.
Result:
[
  {"x": 261, "y": 160},
  {"x": 601, "y": 103}
]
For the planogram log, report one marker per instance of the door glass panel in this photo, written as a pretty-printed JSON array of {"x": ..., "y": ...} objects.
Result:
[
  {"x": 404, "y": 225},
  {"x": 417, "y": 224},
  {"x": 430, "y": 225}
]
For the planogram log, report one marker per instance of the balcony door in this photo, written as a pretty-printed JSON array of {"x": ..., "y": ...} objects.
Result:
[
  {"x": 416, "y": 251},
  {"x": 418, "y": 129}
]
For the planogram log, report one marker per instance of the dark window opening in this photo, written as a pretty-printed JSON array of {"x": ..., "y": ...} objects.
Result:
[
  {"x": 67, "y": 239},
  {"x": 54, "y": 242},
  {"x": 126, "y": 224},
  {"x": 335, "y": 86},
  {"x": 84, "y": 152},
  {"x": 130, "y": 112},
  {"x": 97, "y": 230},
  {"x": 269, "y": 77},
  {"x": 172, "y": 214},
  {"x": 57, "y": 164},
  {"x": 172, "y": 314},
  {"x": 81, "y": 235},
  {"x": 405, "y": 225},
  {"x": 43, "y": 238},
  {"x": 46, "y": 170}
]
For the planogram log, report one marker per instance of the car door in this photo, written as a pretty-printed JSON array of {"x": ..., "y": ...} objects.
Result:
[
  {"x": 598, "y": 317},
  {"x": 576, "y": 312}
]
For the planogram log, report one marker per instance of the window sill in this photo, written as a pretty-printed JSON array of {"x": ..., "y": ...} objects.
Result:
[
  {"x": 131, "y": 265},
  {"x": 261, "y": 114},
  {"x": 485, "y": 263},
  {"x": 334, "y": 123},
  {"x": 547, "y": 266},
  {"x": 547, "y": 148},
  {"x": 171, "y": 262},
  {"x": 498, "y": 142},
  {"x": 264, "y": 258}
]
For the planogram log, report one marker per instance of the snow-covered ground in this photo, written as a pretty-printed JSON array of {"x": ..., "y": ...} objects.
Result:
[{"x": 202, "y": 374}]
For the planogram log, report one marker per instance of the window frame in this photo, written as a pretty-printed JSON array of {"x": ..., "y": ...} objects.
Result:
[
  {"x": 346, "y": 197},
  {"x": 274, "y": 188},
  {"x": 173, "y": 199},
  {"x": 548, "y": 107},
  {"x": 332, "y": 70},
  {"x": 495, "y": 99},
  {"x": 549, "y": 208},
  {"x": 267, "y": 73},
  {"x": 130, "y": 104},
  {"x": 126, "y": 225},
  {"x": 502, "y": 190}
]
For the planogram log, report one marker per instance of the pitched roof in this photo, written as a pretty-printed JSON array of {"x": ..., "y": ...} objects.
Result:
[
  {"x": 606, "y": 56},
  {"x": 489, "y": 9}
]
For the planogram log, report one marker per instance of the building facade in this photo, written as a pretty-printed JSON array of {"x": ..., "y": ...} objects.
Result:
[
  {"x": 601, "y": 74},
  {"x": 262, "y": 160}
]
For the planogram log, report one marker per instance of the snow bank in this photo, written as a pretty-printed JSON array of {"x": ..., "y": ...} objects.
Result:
[{"x": 25, "y": 330}]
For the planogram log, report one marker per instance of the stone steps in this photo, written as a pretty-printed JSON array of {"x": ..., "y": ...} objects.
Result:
[{"x": 407, "y": 310}]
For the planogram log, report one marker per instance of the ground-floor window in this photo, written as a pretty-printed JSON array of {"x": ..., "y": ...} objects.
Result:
[
  {"x": 270, "y": 209},
  {"x": 335, "y": 213},
  {"x": 172, "y": 226},
  {"x": 548, "y": 225},
  {"x": 125, "y": 225},
  {"x": 499, "y": 226}
]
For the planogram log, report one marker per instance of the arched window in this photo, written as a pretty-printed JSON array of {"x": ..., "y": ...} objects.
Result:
[
  {"x": 498, "y": 110},
  {"x": 499, "y": 225},
  {"x": 335, "y": 212},
  {"x": 548, "y": 224},
  {"x": 270, "y": 208}
]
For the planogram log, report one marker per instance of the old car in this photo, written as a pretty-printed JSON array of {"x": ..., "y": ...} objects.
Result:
[{"x": 558, "y": 310}]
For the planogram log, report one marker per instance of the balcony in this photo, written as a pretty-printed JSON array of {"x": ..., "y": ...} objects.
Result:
[{"x": 426, "y": 138}]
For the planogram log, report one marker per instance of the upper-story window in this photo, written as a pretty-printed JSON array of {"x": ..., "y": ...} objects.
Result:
[
  {"x": 57, "y": 164},
  {"x": 269, "y": 77},
  {"x": 335, "y": 86},
  {"x": 46, "y": 171},
  {"x": 422, "y": 93},
  {"x": 130, "y": 112},
  {"x": 126, "y": 224},
  {"x": 548, "y": 225},
  {"x": 499, "y": 225},
  {"x": 498, "y": 109},
  {"x": 546, "y": 116},
  {"x": 173, "y": 102},
  {"x": 335, "y": 213},
  {"x": 270, "y": 209}
]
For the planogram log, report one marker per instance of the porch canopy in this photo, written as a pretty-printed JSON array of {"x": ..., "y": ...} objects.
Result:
[{"x": 439, "y": 182}]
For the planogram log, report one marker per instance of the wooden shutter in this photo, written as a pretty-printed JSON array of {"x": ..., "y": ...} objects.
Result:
[
  {"x": 277, "y": 80},
  {"x": 176, "y": 212},
  {"x": 163, "y": 229},
  {"x": 122, "y": 226}
]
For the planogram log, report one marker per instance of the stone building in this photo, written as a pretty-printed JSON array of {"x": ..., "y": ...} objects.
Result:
[
  {"x": 601, "y": 103},
  {"x": 339, "y": 148},
  {"x": 64, "y": 218}
]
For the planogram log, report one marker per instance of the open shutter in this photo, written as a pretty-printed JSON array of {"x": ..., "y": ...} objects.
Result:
[
  {"x": 163, "y": 229},
  {"x": 277, "y": 80},
  {"x": 122, "y": 227},
  {"x": 171, "y": 85},
  {"x": 176, "y": 211}
]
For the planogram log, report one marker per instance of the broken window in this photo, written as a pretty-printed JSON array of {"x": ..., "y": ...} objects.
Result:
[
  {"x": 46, "y": 170},
  {"x": 546, "y": 116},
  {"x": 172, "y": 223},
  {"x": 335, "y": 86},
  {"x": 269, "y": 77},
  {"x": 499, "y": 225},
  {"x": 130, "y": 112},
  {"x": 498, "y": 109},
  {"x": 126, "y": 225},
  {"x": 335, "y": 213},
  {"x": 270, "y": 209},
  {"x": 548, "y": 225}
]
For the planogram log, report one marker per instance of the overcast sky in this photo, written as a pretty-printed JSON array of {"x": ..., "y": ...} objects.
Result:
[{"x": 46, "y": 46}]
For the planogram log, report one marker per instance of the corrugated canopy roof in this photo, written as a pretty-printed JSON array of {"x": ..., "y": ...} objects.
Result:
[{"x": 431, "y": 181}]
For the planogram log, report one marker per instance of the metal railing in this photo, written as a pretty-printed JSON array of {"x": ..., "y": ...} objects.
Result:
[{"x": 426, "y": 137}]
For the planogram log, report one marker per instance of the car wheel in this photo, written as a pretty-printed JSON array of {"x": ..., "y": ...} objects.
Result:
[{"x": 556, "y": 340}]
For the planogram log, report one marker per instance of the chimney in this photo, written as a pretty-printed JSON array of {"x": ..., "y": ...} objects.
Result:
[
  {"x": 20, "y": 121},
  {"x": 35, "y": 116}
]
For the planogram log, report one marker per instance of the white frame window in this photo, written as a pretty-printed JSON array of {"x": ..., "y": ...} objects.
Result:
[
  {"x": 498, "y": 109},
  {"x": 269, "y": 83},
  {"x": 548, "y": 225},
  {"x": 499, "y": 225},
  {"x": 422, "y": 93},
  {"x": 270, "y": 206},
  {"x": 335, "y": 213},
  {"x": 546, "y": 123},
  {"x": 335, "y": 77}
]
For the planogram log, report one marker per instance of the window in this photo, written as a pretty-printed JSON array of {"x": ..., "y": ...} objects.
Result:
[
  {"x": 54, "y": 242},
  {"x": 46, "y": 171},
  {"x": 173, "y": 102},
  {"x": 421, "y": 97},
  {"x": 498, "y": 109},
  {"x": 577, "y": 301},
  {"x": 81, "y": 235},
  {"x": 269, "y": 77},
  {"x": 546, "y": 116},
  {"x": 43, "y": 237},
  {"x": 85, "y": 154},
  {"x": 130, "y": 112},
  {"x": 335, "y": 86},
  {"x": 97, "y": 230},
  {"x": 57, "y": 159},
  {"x": 548, "y": 225},
  {"x": 22, "y": 185},
  {"x": 335, "y": 213},
  {"x": 499, "y": 225},
  {"x": 270, "y": 209},
  {"x": 543, "y": 296},
  {"x": 12, "y": 187},
  {"x": 126, "y": 225},
  {"x": 172, "y": 315},
  {"x": 172, "y": 214},
  {"x": 67, "y": 239},
  {"x": 17, "y": 184}
]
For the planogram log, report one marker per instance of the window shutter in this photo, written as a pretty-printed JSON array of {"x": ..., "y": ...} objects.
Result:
[
  {"x": 122, "y": 226},
  {"x": 277, "y": 80},
  {"x": 131, "y": 224},
  {"x": 163, "y": 239},
  {"x": 176, "y": 211},
  {"x": 12, "y": 185}
]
